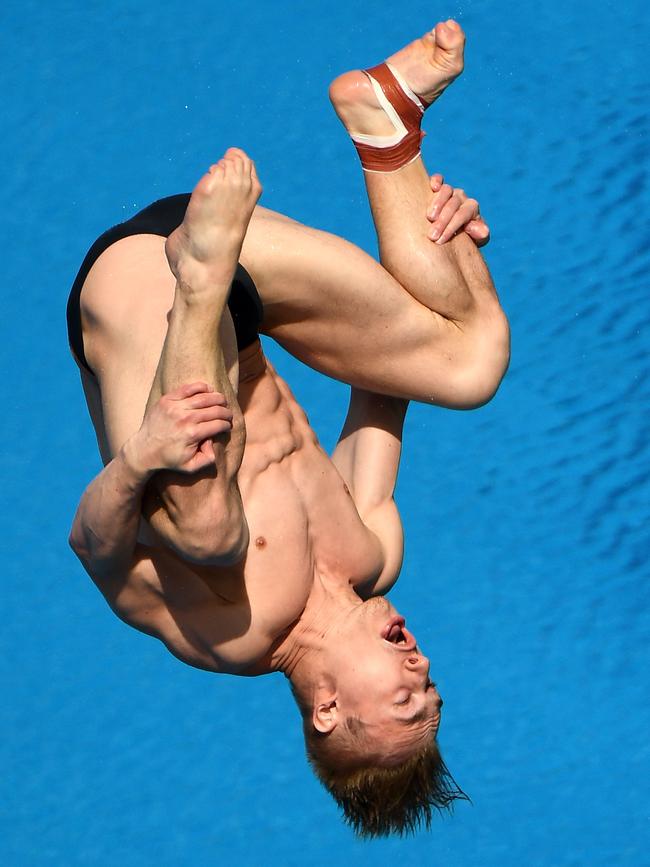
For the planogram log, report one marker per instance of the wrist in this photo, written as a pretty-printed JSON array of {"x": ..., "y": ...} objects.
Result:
[{"x": 134, "y": 460}]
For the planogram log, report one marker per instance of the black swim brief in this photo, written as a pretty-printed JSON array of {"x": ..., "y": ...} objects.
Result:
[{"x": 162, "y": 218}]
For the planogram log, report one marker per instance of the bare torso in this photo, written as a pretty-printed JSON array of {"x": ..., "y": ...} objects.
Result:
[{"x": 302, "y": 522}]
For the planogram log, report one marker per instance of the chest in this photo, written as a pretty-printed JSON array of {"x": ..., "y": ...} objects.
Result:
[{"x": 302, "y": 523}]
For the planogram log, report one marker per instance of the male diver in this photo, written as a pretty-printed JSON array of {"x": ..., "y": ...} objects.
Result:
[{"x": 218, "y": 524}]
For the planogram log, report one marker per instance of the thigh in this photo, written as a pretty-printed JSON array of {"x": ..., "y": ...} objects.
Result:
[
  {"x": 334, "y": 307},
  {"x": 125, "y": 304}
]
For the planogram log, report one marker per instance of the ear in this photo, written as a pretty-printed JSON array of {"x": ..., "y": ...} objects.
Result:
[{"x": 325, "y": 716}]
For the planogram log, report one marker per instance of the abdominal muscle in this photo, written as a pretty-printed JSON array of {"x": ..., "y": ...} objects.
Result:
[
  {"x": 301, "y": 519},
  {"x": 302, "y": 524}
]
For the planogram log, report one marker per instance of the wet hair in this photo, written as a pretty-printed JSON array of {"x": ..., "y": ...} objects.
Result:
[{"x": 378, "y": 800}]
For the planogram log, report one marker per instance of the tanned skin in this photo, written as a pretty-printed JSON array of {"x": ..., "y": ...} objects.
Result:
[{"x": 219, "y": 525}]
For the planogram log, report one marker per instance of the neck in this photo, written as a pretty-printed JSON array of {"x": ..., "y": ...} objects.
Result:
[{"x": 307, "y": 638}]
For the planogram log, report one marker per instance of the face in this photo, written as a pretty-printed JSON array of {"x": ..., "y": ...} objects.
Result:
[{"x": 383, "y": 679}]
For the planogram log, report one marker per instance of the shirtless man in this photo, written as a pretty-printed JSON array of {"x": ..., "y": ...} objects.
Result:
[{"x": 256, "y": 552}]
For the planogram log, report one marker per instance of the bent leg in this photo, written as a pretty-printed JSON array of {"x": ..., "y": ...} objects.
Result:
[
  {"x": 338, "y": 310},
  {"x": 426, "y": 326},
  {"x": 451, "y": 279},
  {"x": 132, "y": 306}
]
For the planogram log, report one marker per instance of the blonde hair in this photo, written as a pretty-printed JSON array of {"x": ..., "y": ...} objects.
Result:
[{"x": 377, "y": 800}]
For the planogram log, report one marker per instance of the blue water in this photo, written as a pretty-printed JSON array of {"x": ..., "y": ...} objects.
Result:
[{"x": 526, "y": 575}]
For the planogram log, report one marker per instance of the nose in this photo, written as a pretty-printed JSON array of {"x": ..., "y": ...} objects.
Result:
[{"x": 417, "y": 662}]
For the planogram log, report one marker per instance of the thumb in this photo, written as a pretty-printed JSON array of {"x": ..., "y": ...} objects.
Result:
[
  {"x": 200, "y": 461},
  {"x": 204, "y": 456}
]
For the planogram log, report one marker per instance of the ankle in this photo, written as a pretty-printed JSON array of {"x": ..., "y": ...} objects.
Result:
[
  {"x": 382, "y": 116},
  {"x": 197, "y": 282}
]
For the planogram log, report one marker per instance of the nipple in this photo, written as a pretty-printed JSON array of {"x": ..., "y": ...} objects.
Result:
[{"x": 260, "y": 542}]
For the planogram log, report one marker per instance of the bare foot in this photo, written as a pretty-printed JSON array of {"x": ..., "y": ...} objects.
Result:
[
  {"x": 428, "y": 65},
  {"x": 206, "y": 246}
]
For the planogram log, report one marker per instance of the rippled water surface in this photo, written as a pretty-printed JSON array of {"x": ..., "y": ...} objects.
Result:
[{"x": 526, "y": 573}]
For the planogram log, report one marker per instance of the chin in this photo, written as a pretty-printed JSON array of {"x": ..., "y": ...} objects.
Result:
[{"x": 379, "y": 603}]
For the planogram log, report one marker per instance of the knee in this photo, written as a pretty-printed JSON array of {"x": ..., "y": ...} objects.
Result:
[
  {"x": 216, "y": 537},
  {"x": 208, "y": 530},
  {"x": 490, "y": 362},
  {"x": 485, "y": 363}
]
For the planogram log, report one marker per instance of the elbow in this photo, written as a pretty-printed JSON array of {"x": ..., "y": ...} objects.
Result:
[{"x": 76, "y": 542}]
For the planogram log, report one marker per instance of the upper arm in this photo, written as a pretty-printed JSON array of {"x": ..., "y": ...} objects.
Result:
[
  {"x": 367, "y": 457},
  {"x": 181, "y": 610},
  {"x": 135, "y": 595},
  {"x": 368, "y": 452},
  {"x": 384, "y": 521},
  {"x": 128, "y": 590}
]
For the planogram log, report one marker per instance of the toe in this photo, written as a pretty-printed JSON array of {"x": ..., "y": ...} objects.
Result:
[
  {"x": 448, "y": 35},
  {"x": 237, "y": 153}
]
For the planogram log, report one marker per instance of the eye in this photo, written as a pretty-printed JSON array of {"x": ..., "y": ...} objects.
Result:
[{"x": 404, "y": 701}]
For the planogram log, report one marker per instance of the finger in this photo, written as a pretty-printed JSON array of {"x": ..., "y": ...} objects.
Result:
[
  {"x": 187, "y": 390},
  {"x": 210, "y": 429},
  {"x": 447, "y": 213},
  {"x": 439, "y": 200},
  {"x": 437, "y": 181},
  {"x": 211, "y": 413},
  {"x": 464, "y": 214},
  {"x": 479, "y": 232},
  {"x": 208, "y": 398}
]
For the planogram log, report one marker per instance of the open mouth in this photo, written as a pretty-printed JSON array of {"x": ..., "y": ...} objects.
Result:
[{"x": 395, "y": 633}]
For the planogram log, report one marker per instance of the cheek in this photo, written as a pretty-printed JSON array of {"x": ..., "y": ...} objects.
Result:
[{"x": 367, "y": 676}]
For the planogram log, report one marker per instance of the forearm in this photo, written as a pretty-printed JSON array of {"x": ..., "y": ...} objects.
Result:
[{"x": 105, "y": 527}]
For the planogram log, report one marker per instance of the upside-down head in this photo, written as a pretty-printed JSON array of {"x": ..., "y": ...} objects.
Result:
[{"x": 370, "y": 719}]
